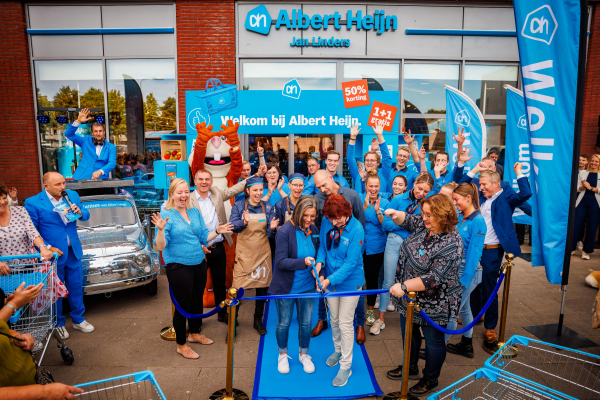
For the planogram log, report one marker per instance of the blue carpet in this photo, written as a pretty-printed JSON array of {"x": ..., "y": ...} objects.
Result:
[{"x": 269, "y": 384}]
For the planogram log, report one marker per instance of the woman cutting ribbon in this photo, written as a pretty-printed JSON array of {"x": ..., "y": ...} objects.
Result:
[
  {"x": 254, "y": 221},
  {"x": 180, "y": 235}
]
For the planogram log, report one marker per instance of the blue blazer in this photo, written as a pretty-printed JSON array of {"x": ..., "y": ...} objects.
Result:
[
  {"x": 90, "y": 162},
  {"x": 286, "y": 258},
  {"x": 503, "y": 209},
  {"x": 51, "y": 226}
]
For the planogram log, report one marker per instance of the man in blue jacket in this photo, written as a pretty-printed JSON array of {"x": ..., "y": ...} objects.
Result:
[
  {"x": 498, "y": 203},
  {"x": 61, "y": 233},
  {"x": 99, "y": 157}
]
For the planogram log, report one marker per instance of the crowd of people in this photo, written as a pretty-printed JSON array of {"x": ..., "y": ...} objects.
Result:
[{"x": 409, "y": 227}]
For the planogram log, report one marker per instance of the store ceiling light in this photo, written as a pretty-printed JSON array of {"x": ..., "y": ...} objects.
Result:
[
  {"x": 43, "y": 119},
  {"x": 62, "y": 119},
  {"x": 99, "y": 118}
]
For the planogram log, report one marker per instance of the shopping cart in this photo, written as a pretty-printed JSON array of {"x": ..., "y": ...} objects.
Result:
[
  {"x": 39, "y": 317},
  {"x": 140, "y": 385},
  {"x": 574, "y": 373},
  {"x": 486, "y": 384}
]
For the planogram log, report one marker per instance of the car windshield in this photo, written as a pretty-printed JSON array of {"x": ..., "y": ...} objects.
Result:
[{"x": 108, "y": 213}]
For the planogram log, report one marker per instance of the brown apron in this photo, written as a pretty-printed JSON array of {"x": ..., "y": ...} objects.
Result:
[{"x": 252, "y": 267}]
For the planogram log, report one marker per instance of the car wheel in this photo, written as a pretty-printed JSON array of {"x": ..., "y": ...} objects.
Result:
[{"x": 152, "y": 287}]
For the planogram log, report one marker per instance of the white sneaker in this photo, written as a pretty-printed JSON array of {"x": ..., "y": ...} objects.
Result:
[
  {"x": 84, "y": 326},
  {"x": 283, "y": 366},
  {"x": 579, "y": 245},
  {"x": 370, "y": 317},
  {"x": 377, "y": 327},
  {"x": 391, "y": 306},
  {"x": 305, "y": 360},
  {"x": 377, "y": 302},
  {"x": 585, "y": 255},
  {"x": 62, "y": 332}
]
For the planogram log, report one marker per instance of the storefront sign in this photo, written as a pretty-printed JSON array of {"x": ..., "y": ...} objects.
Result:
[
  {"x": 356, "y": 93},
  {"x": 382, "y": 112},
  {"x": 259, "y": 20}
]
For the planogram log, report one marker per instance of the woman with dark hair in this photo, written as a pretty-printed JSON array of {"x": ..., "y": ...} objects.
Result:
[
  {"x": 428, "y": 264},
  {"x": 472, "y": 229},
  {"x": 275, "y": 187},
  {"x": 297, "y": 244},
  {"x": 285, "y": 206},
  {"x": 587, "y": 207},
  {"x": 408, "y": 202},
  {"x": 340, "y": 250}
]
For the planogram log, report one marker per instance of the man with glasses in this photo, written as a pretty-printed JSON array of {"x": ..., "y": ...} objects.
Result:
[
  {"x": 331, "y": 164},
  {"x": 407, "y": 171}
]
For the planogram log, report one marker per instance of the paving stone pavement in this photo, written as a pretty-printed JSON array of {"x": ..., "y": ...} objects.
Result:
[{"x": 127, "y": 340}]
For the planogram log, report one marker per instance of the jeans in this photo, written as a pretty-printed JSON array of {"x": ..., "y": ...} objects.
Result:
[
  {"x": 587, "y": 214},
  {"x": 491, "y": 260},
  {"x": 359, "y": 314},
  {"x": 465, "y": 304},
  {"x": 390, "y": 263},
  {"x": 285, "y": 310},
  {"x": 188, "y": 283},
  {"x": 435, "y": 348},
  {"x": 70, "y": 273},
  {"x": 342, "y": 310},
  {"x": 372, "y": 264}
]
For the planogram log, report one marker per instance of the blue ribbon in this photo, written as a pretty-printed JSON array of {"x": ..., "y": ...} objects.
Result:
[
  {"x": 472, "y": 324},
  {"x": 192, "y": 316}
]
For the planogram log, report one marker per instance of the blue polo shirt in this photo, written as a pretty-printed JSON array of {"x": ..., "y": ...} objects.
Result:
[
  {"x": 311, "y": 189},
  {"x": 409, "y": 172},
  {"x": 444, "y": 178},
  {"x": 375, "y": 236},
  {"x": 472, "y": 231},
  {"x": 384, "y": 171},
  {"x": 402, "y": 202},
  {"x": 303, "y": 279}
]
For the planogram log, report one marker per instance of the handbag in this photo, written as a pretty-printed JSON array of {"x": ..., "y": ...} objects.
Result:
[{"x": 42, "y": 375}]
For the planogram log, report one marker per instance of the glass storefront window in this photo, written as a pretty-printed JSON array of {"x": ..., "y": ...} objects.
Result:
[
  {"x": 274, "y": 75},
  {"x": 496, "y": 135},
  {"x": 311, "y": 146},
  {"x": 65, "y": 84},
  {"x": 278, "y": 145},
  {"x": 423, "y": 86},
  {"x": 379, "y": 76},
  {"x": 485, "y": 85},
  {"x": 141, "y": 103},
  {"x": 433, "y": 131}
]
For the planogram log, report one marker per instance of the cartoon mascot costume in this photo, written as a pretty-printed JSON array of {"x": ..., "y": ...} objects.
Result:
[{"x": 220, "y": 153}]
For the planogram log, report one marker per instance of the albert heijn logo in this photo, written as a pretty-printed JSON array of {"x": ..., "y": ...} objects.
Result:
[
  {"x": 258, "y": 20},
  {"x": 522, "y": 122},
  {"x": 540, "y": 25},
  {"x": 292, "y": 89},
  {"x": 462, "y": 118}
]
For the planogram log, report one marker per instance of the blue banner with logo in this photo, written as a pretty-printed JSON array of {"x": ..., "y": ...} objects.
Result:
[
  {"x": 548, "y": 34},
  {"x": 463, "y": 113},
  {"x": 517, "y": 145}
]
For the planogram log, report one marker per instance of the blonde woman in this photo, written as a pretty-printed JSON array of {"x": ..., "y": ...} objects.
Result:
[
  {"x": 180, "y": 235},
  {"x": 587, "y": 211}
]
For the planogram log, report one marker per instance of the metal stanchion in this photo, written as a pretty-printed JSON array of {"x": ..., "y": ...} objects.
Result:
[
  {"x": 493, "y": 347},
  {"x": 403, "y": 393},
  {"x": 168, "y": 332},
  {"x": 229, "y": 393}
]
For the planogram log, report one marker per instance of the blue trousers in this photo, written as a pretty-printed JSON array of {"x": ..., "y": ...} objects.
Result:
[
  {"x": 70, "y": 274},
  {"x": 359, "y": 314},
  {"x": 435, "y": 348},
  {"x": 587, "y": 214},
  {"x": 285, "y": 310},
  {"x": 491, "y": 260}
]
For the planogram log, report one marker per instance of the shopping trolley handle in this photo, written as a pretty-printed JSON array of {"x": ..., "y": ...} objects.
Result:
[{"x": 24, "y": 256}]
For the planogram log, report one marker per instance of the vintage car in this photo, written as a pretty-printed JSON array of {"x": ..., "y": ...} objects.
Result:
[{"x": 117, "y": 253}]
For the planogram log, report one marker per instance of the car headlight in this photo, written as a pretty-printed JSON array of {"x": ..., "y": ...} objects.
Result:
[{"x": 141, "y": 260}]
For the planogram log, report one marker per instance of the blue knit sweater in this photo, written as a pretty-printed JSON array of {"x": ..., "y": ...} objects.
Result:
[{"x": 184, "y": 245}]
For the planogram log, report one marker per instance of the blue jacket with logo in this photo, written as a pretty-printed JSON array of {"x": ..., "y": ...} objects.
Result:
[
  {"x": 344, "y": 264},
  {"x": 472, "y": 231},
  {"x": 375, "y": 236}
]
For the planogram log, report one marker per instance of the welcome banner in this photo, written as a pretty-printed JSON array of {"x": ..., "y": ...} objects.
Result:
[
  {"x": 517, "y": 145},
  {"x": 463, "y": 113},
  {"x": 548, "y": 34}
]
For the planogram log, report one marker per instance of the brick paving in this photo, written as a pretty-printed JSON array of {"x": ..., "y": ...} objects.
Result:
[{"x": 127, "y": 338}]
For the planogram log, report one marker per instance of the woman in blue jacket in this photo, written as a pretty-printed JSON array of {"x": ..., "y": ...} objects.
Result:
[
  {"x": 374, "y": 244},
  {"x": 180, "y": 235},
  {"x": 297, "y": 244},
  {"x": 340, "y": 250},
  {"x": 275, "y": 187},
  {"x": 472, "y": 229},
  {"x": 285, "y": 206},
  {"x": 408, "y": 202}
]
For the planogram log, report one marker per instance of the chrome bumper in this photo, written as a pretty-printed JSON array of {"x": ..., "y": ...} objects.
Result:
[{"x": 98, "y": 288}]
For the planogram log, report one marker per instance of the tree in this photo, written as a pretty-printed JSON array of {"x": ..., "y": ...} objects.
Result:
[
  {"x": 93, "y": 98},
  {"x": 66, "y": 97},
  {"x": 116, "y": 112},
  {"x": 151, "y": 113},
  {"x": 168, "y": 115}
]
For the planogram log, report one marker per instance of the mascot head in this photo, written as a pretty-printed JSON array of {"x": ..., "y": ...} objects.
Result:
[{"x": 213, "y": 148}]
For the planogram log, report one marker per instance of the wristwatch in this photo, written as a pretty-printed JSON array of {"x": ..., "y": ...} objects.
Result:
[
  {"x": 217, "y": 231},
  {"x": 403, "y": 286}
]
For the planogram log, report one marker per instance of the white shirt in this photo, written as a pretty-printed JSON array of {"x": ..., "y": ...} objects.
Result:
[
  {"x": 486, "y": 212},
  {"x": 64, "y": 219},
  {"x": 209, "y": 213}
]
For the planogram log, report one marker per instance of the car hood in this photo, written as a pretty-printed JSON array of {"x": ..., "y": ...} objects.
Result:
[{"x": 104, "y": 242}]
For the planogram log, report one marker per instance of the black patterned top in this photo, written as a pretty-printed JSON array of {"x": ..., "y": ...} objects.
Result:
[{"x": 435, "y": 259}]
